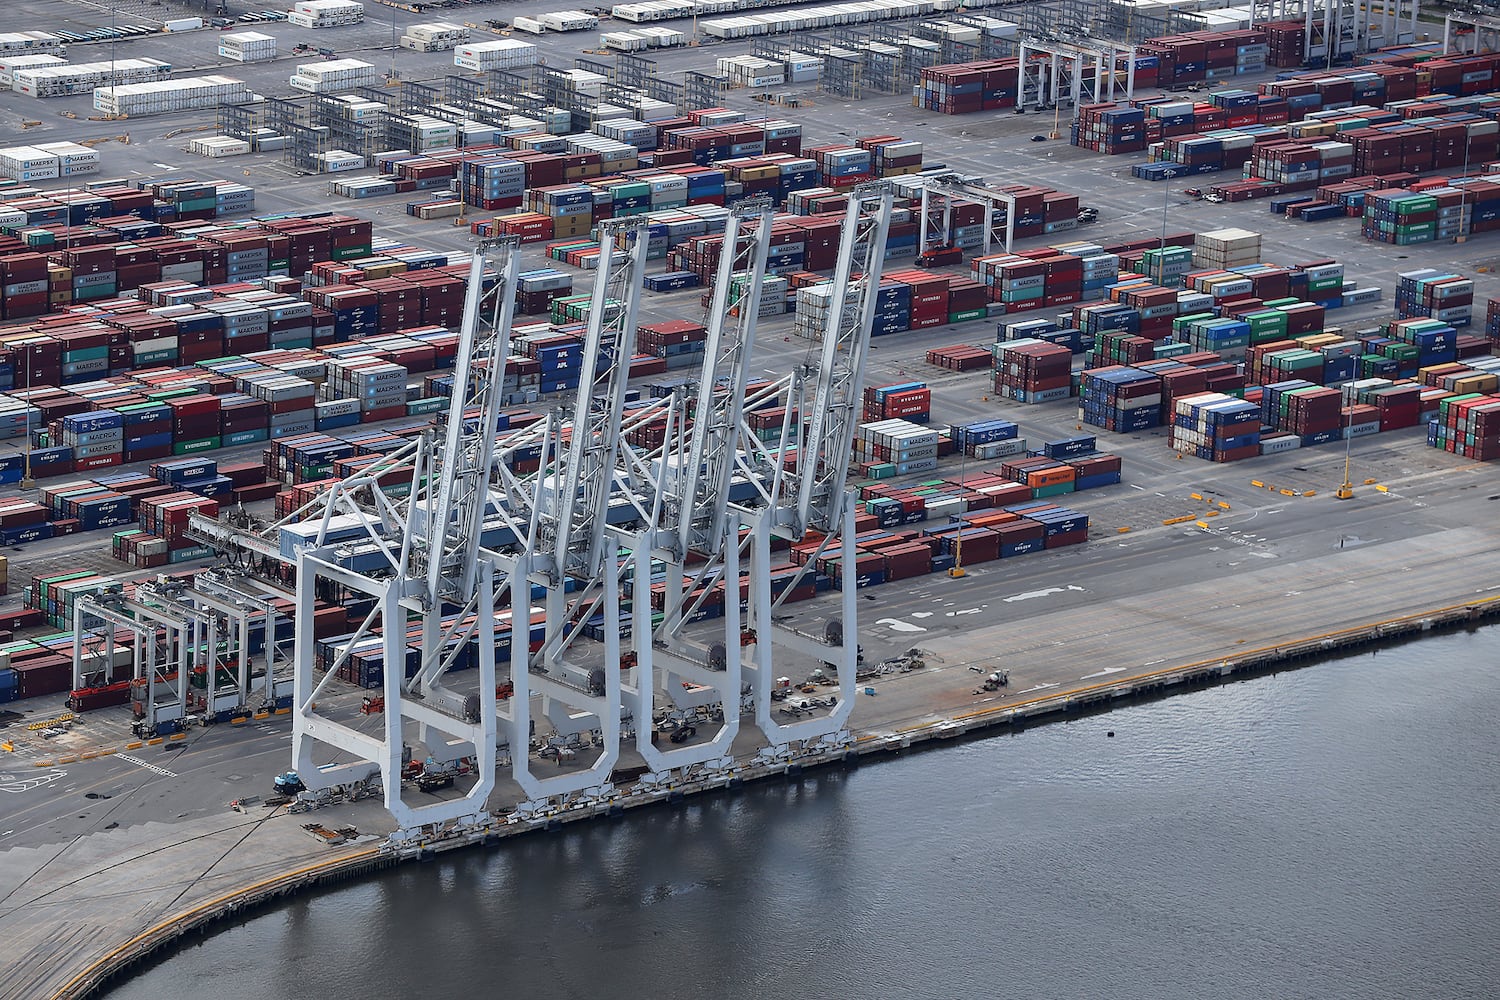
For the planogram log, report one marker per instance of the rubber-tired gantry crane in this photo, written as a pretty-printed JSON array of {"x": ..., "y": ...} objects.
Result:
[{"x": 481, "y": 560}]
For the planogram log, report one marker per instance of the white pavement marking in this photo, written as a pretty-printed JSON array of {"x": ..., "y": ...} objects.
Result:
[
  {"x": 1102, "y": 673},
  {"x": 147, "y": 766},
  {"x": 897, "y": 625},
  {"x": 10, "y": 783},
  {"x": 1028, "y": 595},
  {"x": 928, "y": 614}
]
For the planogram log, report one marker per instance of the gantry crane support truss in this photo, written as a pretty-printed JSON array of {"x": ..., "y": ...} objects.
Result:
[
  {"x": 475, "y": 543},
  {"x": 172, "y": 630}
]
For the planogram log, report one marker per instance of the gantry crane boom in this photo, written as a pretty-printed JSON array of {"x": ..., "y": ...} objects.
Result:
[
  {"x": 823, "y": 460},
  {"x": 432, "y": 562},
  {"x": 580, "y": 501},
  {"x": 457, "y": 495},
  {"x": 702, "y": 496}
]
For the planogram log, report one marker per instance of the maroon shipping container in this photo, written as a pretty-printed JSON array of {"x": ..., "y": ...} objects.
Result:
[{"x": 52, "y": 674}]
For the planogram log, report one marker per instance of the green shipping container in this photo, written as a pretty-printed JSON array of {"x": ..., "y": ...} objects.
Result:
[
  {"x": 192, "y": 447},
  {"x": 966, "y": 315},
  {"x": 185, "y": 555},
  {"x": 1056, "y": 490},
  {"x": 418, "y": 406}
]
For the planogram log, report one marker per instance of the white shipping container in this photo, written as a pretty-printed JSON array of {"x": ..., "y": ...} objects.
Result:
[
  {"x": 28, "y": 163},
  {"x": 662, "y": 38},
  {"x": 219, "y": 145},
  {"x": 57, "y": 81},
  {"x": 28, "y": 156},
  {"x": 326, "y": 13},
  {"x": 29, "y": 43},
  {"x": 333, "y": 76},
  {"x": 568, "y": 20},
  {"x": 624, "y": 41},
  {"x": 182, "y": 24},
  {"x": 439, "y": 31},
  {"x": 70, "y": 153},
  {"x": 191, "y": 93},
  {"x": 9, "y": 65},
  {"x": 502, "y": 53},
  {"x": 659, "y": 10},
  {"x": 247, "y": 46},
  {"x": 336, "y": 160}
]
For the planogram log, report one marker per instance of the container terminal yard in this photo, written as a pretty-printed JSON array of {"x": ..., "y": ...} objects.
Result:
[{"x": 1107, "y": 553}]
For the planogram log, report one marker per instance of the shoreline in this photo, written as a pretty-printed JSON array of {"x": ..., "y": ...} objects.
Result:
[{"x": 158, "y": 940}]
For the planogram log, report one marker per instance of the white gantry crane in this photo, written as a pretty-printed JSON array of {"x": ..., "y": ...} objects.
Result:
[
  {"x": 567, "y": 544},
  {"x": 814, "y": 499},
  {"x": 504, "y": 571},
  {"x": 433, "y": 598},
  {"x": 703, "y": 446}
]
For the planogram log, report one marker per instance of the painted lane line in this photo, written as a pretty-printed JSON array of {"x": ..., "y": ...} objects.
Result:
[{"x": 148, "y": 766}]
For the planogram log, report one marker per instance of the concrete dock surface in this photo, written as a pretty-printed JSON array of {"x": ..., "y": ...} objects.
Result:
[
  {"x": 65, "y": 907},
  {"x": 70, "y": 905}
]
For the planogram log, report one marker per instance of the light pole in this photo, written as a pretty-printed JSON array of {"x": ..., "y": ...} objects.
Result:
[
  {"x": 26, "y": 481},
  {"x": 1463, "y": 200},
  {"x": 957, "y": 569},
  {"x": 392, "y": 76},
  {"x": 1165, "y": 197},
  {"x": 1346, "y": 488}
]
